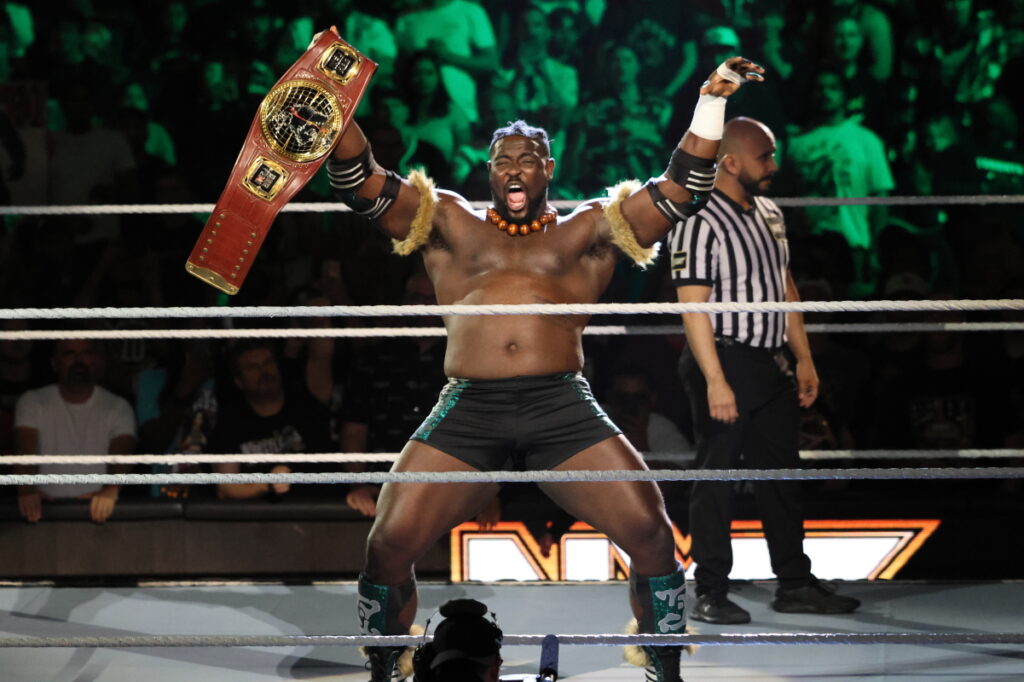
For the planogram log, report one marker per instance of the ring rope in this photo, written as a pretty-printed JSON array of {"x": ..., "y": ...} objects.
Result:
[
  {"x": 420, "y": 332},
  {"x": 346, "y": 457},
  {"x": 726, "y": 639},
  {"x": 962, "y": 305},
  {"x": 562, "y": 204},
  {"x": 574, "y": 475}
]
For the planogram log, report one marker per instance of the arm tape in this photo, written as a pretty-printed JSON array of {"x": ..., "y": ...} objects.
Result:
[
  {"x": 674, "y": 211},
  {"x": 692, "y": 172},
  {"x": 373, "y": 208},
  {"x": 350, "y": 174}
]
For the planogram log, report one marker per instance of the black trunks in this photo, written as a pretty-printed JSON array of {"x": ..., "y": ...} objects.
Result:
[{"x": 520, "y": 423}]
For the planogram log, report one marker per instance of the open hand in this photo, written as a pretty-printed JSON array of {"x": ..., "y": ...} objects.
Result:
[{"x": 719, "y": 83}]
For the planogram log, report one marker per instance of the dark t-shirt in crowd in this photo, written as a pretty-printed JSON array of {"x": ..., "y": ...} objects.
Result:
[
  {"x": 392, "y": 388},
  {"x": 301, "y": 426}
]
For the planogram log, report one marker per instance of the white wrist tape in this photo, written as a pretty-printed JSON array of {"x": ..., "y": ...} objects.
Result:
[
  {"x": 708, "y": 117},
  {"x": 728, "y": 74}
]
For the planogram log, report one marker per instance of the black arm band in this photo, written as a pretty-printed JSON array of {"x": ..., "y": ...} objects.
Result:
[
  {"x": 674, "y": 211},
  {"x": 692, "y": 172},
  {"x": 350, "y": 174},
  {"x": 373, "y": 208}
]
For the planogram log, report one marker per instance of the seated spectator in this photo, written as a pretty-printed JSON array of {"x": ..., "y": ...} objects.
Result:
[
  {"x": 391, "y": 389},
  {"x": 832, "y": 420},
  {"x": 74, "y": 416},
  {"x": 895, "y": 359},
  {"x": 18, "y": 373},
  {"x": 630, "y": 403},
  {"x": 276, "y": 412}
]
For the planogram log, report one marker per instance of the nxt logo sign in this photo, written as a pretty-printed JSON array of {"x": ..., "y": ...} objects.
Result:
[{"x": 849, "y": 549}]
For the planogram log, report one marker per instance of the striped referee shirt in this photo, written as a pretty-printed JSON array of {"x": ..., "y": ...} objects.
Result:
[{"x": 743, "y": 256}]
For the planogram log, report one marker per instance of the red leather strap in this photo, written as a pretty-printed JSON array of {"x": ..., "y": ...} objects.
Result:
[{"x": 291, "y": 136}]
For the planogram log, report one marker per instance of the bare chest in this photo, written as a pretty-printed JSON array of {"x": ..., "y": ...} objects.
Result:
[{"x": 558, "y": 250}]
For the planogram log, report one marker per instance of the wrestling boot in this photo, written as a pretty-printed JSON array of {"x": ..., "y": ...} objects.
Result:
[
  {"x": 383, "y": 663},
  {"x": 378, "y": 609},
  {"x": 662, "y": 604}
]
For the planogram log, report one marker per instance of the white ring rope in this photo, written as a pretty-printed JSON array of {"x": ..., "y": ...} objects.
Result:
[
  {"x": 559, "y": 476},
  {"x": 349, "y": 457},
  {"x": 726, "y": 639},
  {"x": 561, "y": 204},
  {"x": 962, "y": 305},
  {"x": 421, "y": 332}
]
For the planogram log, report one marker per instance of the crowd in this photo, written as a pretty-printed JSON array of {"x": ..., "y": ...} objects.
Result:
[{"x": 866, "y": 99}]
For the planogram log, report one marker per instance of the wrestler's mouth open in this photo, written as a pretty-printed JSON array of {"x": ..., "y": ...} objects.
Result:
[{"x": 515, "y": 196}]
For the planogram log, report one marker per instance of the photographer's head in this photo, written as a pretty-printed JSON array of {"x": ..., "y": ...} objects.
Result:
[{"x": 465, "y": 647}]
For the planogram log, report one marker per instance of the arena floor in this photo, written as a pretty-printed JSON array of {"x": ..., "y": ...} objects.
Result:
[{"x": 276, "y": 609}]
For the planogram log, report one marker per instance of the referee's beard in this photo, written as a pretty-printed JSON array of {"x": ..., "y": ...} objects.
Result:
[{"x": 758, "y": 187}]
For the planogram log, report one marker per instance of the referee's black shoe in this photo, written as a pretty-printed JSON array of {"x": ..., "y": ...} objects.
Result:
[
  {"x": 715, "y": 607},
  {"x": 813, "y": 598}
]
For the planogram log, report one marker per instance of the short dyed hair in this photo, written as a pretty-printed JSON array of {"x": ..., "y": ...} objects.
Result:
[{"x": 523, "y": 129}]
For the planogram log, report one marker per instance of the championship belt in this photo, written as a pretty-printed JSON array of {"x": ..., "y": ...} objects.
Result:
[{"x": 296, "y": 126}]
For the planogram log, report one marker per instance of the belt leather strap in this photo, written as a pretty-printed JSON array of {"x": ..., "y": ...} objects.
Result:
[{"x": 297, "y": 125}]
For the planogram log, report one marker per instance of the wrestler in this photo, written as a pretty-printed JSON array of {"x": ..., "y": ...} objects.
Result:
[{"x": 516, "y": 398}]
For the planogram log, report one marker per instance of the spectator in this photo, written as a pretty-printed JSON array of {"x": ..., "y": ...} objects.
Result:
[
  {"x": 962, "y": 51},
  {"x": 460, "y": 36},
  {"x": 876, "y": 28},
  {"x": 845, "y": 54},
  {"x": 12, "y": 143},
  {"x": 630, "y": 402},
  {"x": 74, "y": 416},
  {"x": 620, "y": 134},
  {"x": 391, "y": 389},
  {"x": 544, "y": 89},
  {"x": 432, "y": 114},
  {"x": 278, "y": 412},
  {"x": 839, "y": 412},
  {"x": 837, "y": 157},
  {"x": 895, "y": 358},
  {"x": 716, "y": 43},
  {"x": 90, "y": 164},
  {"x": 17, "y": 375}
]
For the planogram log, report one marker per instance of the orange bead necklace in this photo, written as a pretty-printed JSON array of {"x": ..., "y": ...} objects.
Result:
[{"x": 526, "y": 228}]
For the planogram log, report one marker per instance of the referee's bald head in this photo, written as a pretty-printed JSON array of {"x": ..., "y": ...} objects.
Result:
[{"x": 741, "y": 134}]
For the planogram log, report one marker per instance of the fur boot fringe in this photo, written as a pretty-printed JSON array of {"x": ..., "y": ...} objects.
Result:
[
  {"x": 405, "y": 660},
  {"x": 635, "y": 655}
]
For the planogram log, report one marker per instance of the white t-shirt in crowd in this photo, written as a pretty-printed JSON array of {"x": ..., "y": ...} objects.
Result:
[
  {"x": 74, "y": 429},
  {"x": 462, "y": 26},
  {"x": 664, "y": 436}
]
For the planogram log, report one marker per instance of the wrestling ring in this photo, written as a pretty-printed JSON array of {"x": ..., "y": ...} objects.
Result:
[{"x": 222, "y": 630}]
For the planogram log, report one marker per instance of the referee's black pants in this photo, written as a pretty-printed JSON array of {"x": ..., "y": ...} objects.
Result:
[{"x": 765, "y": 436}]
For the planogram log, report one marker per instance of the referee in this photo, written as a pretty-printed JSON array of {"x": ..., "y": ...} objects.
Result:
[{"x": 739, "y": 371}]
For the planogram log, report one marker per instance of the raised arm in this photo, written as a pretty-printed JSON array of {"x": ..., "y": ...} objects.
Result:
[
  {"x": 371, "y": 190},
  {"x": 684, "y": 187}
]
